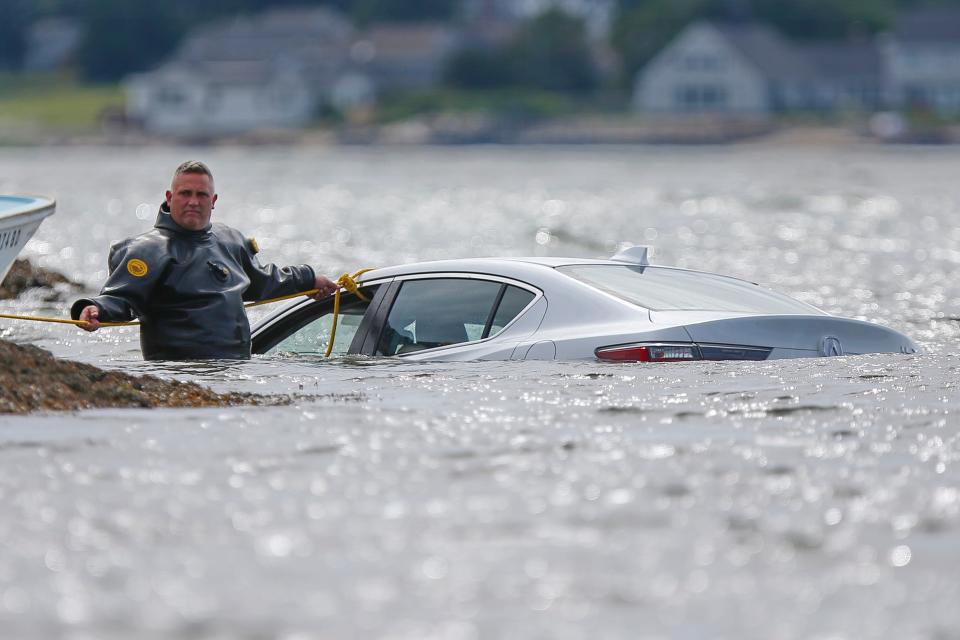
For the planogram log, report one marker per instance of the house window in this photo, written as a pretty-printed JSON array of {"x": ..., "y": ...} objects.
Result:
[
  {"x": 696, "y": 97},
  {"x": 170, "y": 97}
]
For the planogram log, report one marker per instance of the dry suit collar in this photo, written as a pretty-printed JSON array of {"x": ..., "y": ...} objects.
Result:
[{"x": 166, "y": 221}]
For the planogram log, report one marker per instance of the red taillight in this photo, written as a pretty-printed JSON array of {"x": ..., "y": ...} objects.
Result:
[
  {"x": 649, "y": 353},
  {"x": 680, "y": 352}
]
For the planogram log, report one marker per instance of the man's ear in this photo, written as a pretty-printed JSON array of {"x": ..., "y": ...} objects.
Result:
[
  {"x": 169, "y": 197},
  {"x": 214, "y": 201}
]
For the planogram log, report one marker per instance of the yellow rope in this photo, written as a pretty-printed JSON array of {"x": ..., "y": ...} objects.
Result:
[
  {"x": 346, "y": 281},
  {"x": 79, "y": 323}
]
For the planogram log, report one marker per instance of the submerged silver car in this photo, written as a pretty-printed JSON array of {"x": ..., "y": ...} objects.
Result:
[{"x": 622, "y": 309}]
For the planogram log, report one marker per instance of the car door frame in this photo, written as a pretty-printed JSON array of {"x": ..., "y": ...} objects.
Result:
[
  {"x": 379, "y": 319},
  {"x": 274, "y": 323}
]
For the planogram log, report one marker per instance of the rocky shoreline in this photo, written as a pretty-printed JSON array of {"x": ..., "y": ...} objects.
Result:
[
  {"x": 23, "y": 275},
  {"x": 31, "y": 379}
]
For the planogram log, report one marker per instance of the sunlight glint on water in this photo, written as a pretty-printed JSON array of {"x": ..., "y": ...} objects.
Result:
[{"x": 797, "y": 499}]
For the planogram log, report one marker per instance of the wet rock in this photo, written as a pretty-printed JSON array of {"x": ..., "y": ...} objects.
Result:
[
  {"x": 23, "y": 276},
  {"x": 32, "y": 379}
]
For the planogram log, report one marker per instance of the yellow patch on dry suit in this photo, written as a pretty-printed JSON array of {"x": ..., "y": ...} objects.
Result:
[
  {"x": 137, "y": 268},
  {"x": 254, "y": 247}
]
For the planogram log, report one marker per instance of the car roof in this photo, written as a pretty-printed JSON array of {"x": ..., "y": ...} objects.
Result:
[{"x": 528, "y": 269}]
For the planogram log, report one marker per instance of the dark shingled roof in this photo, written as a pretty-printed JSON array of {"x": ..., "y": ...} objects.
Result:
[
  {"x": 776, "y": 58},
  {"x": 317, "y": 36},
  {"x": 933, "y": 24},
  {"x": 843, "y": 60},
  {"x": 253, "y": 49}
]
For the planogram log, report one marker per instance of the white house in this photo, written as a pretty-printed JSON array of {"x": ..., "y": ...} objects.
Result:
[
  {"x": 922, "y": 60},
  {"x": 270, "y": 71},
  {"x": 750, "y": 69},
  {"x": 220, "y": 98},
  {"x": 711, "y": 67}
]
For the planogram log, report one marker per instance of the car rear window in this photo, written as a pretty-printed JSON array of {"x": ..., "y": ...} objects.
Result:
[
  {"x": 662, "y": 289},
  {"x": 513, "y": 302}
]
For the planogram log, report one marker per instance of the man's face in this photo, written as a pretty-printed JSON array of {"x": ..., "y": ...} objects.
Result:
[{"x": 191, "y": 199}]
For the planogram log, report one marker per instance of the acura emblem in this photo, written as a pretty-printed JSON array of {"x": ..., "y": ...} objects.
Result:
[{"x": 830, "y": 346}]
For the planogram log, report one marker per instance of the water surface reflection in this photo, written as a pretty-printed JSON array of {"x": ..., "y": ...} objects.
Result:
[{"x": 808, "y": 498}]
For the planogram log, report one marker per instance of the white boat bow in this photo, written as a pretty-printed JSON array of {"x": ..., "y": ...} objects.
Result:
[{"x": 20, "y": 217}]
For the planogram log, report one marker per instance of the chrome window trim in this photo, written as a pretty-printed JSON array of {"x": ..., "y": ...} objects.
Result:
[{"x": 460, "y": 275}]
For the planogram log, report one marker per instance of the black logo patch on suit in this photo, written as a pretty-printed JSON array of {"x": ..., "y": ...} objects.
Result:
[{"x": 220, "y": 272}]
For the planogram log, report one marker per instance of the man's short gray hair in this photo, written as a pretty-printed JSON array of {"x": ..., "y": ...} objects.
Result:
[{"x": 193, "y": 166}]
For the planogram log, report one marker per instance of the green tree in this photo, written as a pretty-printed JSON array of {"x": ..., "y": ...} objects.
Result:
[
  {"x": 478, "y": 69},
  {"x": 644, "y": 27},
  {"x": 825, "y": 19},
  {"x": 122, "y": 37},
  {"x": 551, "y": 52},
  {"x": 12, "y": 29},
  {"x": 367, "y": 11}
]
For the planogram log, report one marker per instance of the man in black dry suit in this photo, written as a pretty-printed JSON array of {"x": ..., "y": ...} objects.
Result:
[{"x": 187, "y": 279}]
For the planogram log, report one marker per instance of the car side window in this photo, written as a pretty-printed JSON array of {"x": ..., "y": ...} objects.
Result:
[
  {"x": 438, "y": 312},
  {"x": 513, "y": 302},
  {"x": 309, "y": 330}
]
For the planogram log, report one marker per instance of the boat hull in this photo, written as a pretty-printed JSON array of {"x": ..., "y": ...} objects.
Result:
[{"x": 20, "y": 217}]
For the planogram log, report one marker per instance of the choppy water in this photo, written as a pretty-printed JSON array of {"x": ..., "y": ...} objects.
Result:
[{"x": 794, "y": 499}]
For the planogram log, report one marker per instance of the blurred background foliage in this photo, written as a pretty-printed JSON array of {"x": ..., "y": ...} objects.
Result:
[
  {"x": 549, "y": 53},
  {"x": 56, "y": 101}
]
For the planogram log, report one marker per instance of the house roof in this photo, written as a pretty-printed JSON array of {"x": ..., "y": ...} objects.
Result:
[
  {"x": 839, "y": 60},
  {"x": 312, "y": 43},
  {"x": 400, "y": 40},
  {"x": 933, "y": 24},
  {"x": 771, "y": 53},
  {"x": 314, "y": 37}
]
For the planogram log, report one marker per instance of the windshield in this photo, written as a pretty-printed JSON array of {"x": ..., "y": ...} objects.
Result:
[{"x": 662, "y": 289}]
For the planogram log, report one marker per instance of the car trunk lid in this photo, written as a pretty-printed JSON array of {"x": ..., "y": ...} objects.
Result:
[{"x": 818, "y": 334}]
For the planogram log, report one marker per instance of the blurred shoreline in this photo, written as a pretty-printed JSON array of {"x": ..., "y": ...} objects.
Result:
[{"x": 479, "y": 129}]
